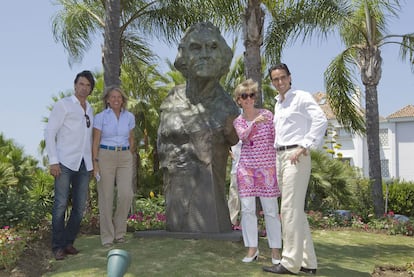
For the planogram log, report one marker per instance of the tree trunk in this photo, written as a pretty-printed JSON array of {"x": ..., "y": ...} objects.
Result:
[
  {"x": 253, "y": 39},
  {"x": 371, "y": 74},
  {"x": 112, "y": 50}
]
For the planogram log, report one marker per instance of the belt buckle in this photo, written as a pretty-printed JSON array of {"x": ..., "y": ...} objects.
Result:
[{"x": 118, "y": 148}]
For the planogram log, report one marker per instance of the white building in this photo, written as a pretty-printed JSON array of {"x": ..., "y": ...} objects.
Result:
[{"x": 396, "y": 133}]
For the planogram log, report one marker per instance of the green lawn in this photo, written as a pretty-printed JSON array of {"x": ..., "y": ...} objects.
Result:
[{"x": 340, "y": 253}]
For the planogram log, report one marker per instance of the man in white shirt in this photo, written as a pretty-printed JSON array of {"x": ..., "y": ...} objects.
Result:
[
  {"x": 68, "y": 137},
  {"x": 300, "y": 125}
]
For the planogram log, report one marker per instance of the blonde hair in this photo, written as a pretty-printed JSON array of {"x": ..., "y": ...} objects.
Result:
[
  {"x": 106, "y": 96},
  {"x": 244, "y": 87}
]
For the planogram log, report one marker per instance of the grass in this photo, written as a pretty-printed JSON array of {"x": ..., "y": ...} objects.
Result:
[{"x": 340, "y": 253}]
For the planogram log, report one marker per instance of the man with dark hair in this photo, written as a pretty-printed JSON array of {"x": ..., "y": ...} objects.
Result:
[
  {"x": 300, "y": 125},
  {"x": 68, "y": 137}
]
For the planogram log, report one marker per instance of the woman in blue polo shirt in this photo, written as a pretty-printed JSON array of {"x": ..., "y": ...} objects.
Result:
[{"x": 113, "y": 150}]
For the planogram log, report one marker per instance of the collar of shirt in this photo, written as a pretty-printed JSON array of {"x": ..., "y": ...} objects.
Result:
[{"x": 289, "y": 94}]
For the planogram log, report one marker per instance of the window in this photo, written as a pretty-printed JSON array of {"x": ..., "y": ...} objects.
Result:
[
  {"x": 385, "y": 170},
  {"x": 342, "y": 133},
  {"x": 383, "y": 137}
]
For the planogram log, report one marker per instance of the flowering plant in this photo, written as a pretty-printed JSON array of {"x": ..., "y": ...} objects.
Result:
[
  {"x": 11, "y": 247},
  {"x": 149, "y": 214},
  {"x": 140, "y": 222},
  {"x": 389, "y": 223}
]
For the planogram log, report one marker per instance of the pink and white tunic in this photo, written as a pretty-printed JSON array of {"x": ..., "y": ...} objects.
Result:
[{"x": 256, "y": 172}]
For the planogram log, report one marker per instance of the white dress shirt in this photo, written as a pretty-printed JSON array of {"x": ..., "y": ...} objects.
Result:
[
  {"x": 299, "y": 120},
  {"x": 68, "y": 139}
]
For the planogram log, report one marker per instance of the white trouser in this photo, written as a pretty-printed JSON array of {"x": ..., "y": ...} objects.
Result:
[{"x": 249, "y": 221}]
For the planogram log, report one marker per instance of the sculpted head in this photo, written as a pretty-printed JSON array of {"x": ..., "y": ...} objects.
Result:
[{"x": 203, "y": 52}]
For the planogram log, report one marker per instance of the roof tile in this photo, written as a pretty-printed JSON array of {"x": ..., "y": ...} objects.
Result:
[{"x": 407, "y": 111}]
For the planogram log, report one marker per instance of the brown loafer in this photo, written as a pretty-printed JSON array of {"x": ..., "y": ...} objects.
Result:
[
  {"x": 71, "y": 250},
  {"x": 59, "y": 254},
  {"x": 120, "y": 240}
]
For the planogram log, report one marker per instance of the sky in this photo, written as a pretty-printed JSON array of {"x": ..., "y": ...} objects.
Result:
[{"x": 34, "y": 68}]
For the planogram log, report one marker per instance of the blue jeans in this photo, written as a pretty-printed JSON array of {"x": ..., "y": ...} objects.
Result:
[{"x": 64, "y": 235}]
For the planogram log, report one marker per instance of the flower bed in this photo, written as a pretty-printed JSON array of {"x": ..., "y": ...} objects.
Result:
[
  {"x": 11, "y": 247},
  {"x": 149, "y": 214}
]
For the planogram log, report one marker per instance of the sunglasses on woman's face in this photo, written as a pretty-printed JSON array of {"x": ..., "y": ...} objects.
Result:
[{"x": 245, "y": 95}]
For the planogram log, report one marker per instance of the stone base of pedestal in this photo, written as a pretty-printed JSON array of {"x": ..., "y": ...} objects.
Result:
[{"x": 228, "y": 236}]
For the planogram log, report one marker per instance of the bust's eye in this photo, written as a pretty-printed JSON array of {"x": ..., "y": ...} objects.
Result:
[
  {"x": 214, "y": 45},
  {"x": 195, "y": 46}
]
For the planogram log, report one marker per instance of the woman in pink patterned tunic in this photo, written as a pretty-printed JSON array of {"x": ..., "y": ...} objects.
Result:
[{"x": 256, "y": 172}]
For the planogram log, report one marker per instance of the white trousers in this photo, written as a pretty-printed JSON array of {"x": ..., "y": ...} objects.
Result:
[
  {"x": 233, "y": 201},
  {"x": 293, "y": 181},
  {"x": 249, "y": 221}
]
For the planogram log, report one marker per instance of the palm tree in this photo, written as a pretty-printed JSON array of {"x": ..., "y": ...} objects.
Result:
[
  {"x": 78, "y": 22},
  {"x": 364, "y": 33},
  {"x": 362, "y": 27},
  {"x": 111, "y": 51},
  {"x": 253, "y": 22}
]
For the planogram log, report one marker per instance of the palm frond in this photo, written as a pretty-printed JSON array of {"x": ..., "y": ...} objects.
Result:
[{"x": 341, "y": 92}]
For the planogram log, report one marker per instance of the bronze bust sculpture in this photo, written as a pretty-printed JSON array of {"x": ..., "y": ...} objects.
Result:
[{"x": 195, "y": 134}]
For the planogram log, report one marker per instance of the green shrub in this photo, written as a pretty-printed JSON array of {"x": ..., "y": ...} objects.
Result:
[
  {"x": 331, "y": 183},
  {"x": 400, "y": 197},
  {"x": 362, "y": 203}
]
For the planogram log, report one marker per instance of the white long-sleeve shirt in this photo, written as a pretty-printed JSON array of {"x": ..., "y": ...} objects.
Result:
[
  {"x": 68, "y": 139},
  {"x": 299, "y": 120}
]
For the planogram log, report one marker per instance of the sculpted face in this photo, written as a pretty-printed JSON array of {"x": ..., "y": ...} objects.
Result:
[
  {"x": 204, "y": 55},
  {"x": 203, "y": 52}
]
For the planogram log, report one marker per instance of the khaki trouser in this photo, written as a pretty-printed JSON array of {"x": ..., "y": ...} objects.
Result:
[
  {"x": 233, "y": 202},
  {"x": 116, "y": 170},
  {"x": 293, "y": 182}
]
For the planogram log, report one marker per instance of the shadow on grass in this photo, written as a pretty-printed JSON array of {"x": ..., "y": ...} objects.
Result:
[{"x": 340, "y": 253}]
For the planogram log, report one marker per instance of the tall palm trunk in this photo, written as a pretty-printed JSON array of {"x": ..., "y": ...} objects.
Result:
[
  {"x": 112, "y": 50},
  {"x": 253, "y": 39},
  {"x": 370, "y": 62}
]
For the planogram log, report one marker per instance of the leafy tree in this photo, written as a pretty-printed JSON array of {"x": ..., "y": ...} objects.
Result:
[{"x": 363, "y": 31}]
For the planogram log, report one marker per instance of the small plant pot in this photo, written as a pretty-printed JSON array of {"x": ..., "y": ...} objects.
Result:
[{"x": 118, "y": 262}]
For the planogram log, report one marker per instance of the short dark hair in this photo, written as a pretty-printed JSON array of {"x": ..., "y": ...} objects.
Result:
[
  {"x": 88, "y": 75},
  {"x": 280, "y": 66}
]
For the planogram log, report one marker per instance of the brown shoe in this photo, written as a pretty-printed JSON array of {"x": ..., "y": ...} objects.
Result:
[
  {"x": 60, "y": 254},
  {"x": 120, "y": 240},
  {"x": 71, "y": 250}
]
